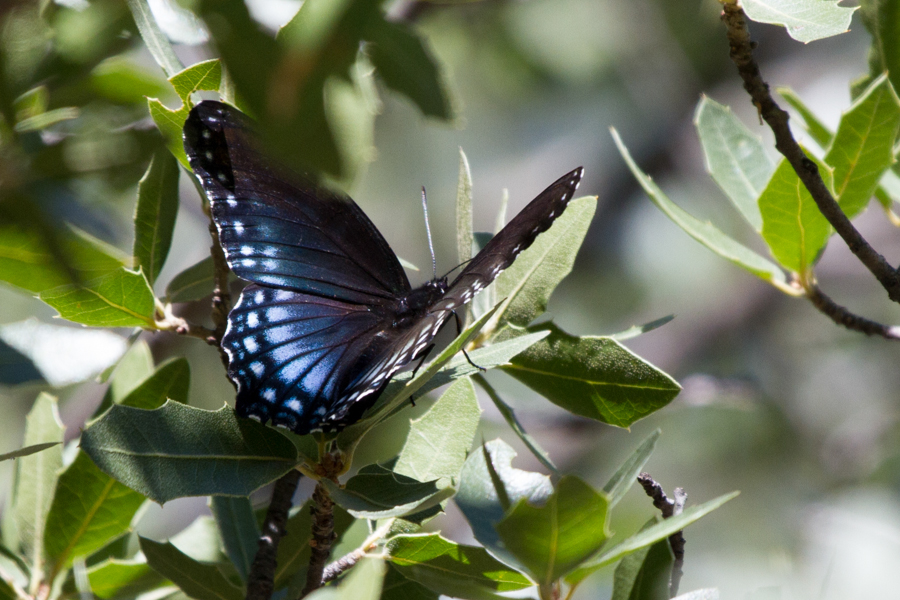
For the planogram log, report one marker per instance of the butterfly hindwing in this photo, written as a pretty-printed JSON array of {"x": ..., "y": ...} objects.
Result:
[{"x": 280, "y": 229}]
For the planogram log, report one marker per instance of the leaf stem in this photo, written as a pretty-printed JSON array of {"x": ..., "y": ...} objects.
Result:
[{"x": 668, "y": 508}]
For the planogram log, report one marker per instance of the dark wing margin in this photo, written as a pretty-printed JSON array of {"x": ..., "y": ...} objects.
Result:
[
  {"x": 501, "y": 251},
  {"x": 277, "y": 227},
  {"x": 290, "y": 355}
]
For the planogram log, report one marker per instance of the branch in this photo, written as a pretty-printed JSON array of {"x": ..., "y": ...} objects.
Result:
[
  {"x": 777, "y": 119},
  {"x": 261, "y": 579},
  {"x": 668, "y": 508},
  {"x": 323, "y": 537},
  {"x": 334, "y": 570},
  {"x": 842, "y": 316},
  {"x": 221, "y": 298}
]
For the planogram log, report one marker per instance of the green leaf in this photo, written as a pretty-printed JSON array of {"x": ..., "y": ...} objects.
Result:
[
  {"x": 816, "y": 129},
  {"x": 735, "y": 158},
  {"x": 121, "y": 80},
  {"x": 28, "y": 450},
  {"x": 862, "y": 149},
  {"x": 805, "y": 20},
  {"x": 528, "y": 282},
  {"x": 552, "y": 539},
  {"x": 636, "y": 330},
  {"x": 16, "y": 368},
  {"x": 882, "y": 19},
  {"x": 194, "y": 283},
  {"x": 154, "y": 215},
  {"x": 28, "y": 256},
  {"x": 171, "y": 381},
  {"x": 398, "y": 587},
  {"x": 89, "y": 510},
  {"x": 36, "y": 478},
  {"x": 47, "y": 119},
  {"x": 625, "y": 476},
  {"x": 237, "y": 526},
  {"x": 451, "y": 569},
  {"x": 438, "y": 442},
  {"x": 118, "y": 579},
  {"x": 122, "y": 298},
  {"x": 593, "y": 377},
  {"x": 379, "y": 493},
  {"x": 202, "y": 76},
  {"x": 465, "y": 237},
  {"x": 363, "y": 583},
  {"x": 479, "y": 500},
  {"x": 233, "y": 457},
  {"x": 648, "y": 536},
  {"x": 509, "y": 416},
  {"x": 645, "y": 574},
  {"x": 793, "y": 227},
  {"x": 153, "y": 37},
  {"x": 705, "y": 232},
  {"x": 135, "y": 366},
  {"x": 406, "y": 65},
  {"x": 197, "y": 580}
]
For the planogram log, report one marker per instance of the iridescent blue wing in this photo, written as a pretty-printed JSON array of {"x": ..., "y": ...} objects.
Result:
[
  {"x": 280, "y": 229},
  {"x": 502, "y": 249},
  {"x": 291, "y": 355}
]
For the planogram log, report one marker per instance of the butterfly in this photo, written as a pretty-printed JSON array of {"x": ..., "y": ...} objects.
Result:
[{"x": 329, "y": 315}]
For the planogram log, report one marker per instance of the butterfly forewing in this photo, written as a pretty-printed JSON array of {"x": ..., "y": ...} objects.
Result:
[{"x": 277, "y": 227}]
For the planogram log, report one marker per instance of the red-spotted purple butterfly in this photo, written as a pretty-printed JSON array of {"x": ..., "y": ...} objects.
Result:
[{"x": 329, "y": 315}]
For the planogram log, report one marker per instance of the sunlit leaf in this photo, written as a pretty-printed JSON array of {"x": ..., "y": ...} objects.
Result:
[
  {"x": 154, "y": 215},
  {"x": 122, "y": 298},
  {"x": 805, "y": 20}
]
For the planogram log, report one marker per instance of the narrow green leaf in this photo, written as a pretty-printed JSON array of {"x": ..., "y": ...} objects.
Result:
[
  {"x": 379, "y": 493},
  {"x": 648, "y": 536},
  {"x": 553, "y": 539},
  {"x": 237, "y": 526},
  {"x": 637, "y": 330},
  {"x": 194, "y": 283},
  {"x": 118, "y": 579},
  {"x": 817, "y": 130},
  {"x": 197, "y": 580},
  {"x": 89, "y": 510},
  {"x": 28, "y": 450},
  {"x": 645, "y": 574},
  {"x": 625, "y": 476},
  {"x": 398, "y": 587},
  {"x": 509, "y": 416},
  {"x": 438, "y": 442},
  {"x": 28, "y": 260},
  {"x": 122, "y": 298},
  {"x": 451, "y": 569},
  {"x": 735, "y": 158},
  {"x": 805, "y": 20},
  {"x": 464, "y": 229},
  {"x": 593, "y": 377},
  {"x": 528, "y": 283},
  {"x": 793, "y": 227},
  {"x": 47, "y": 119},
  {"x": 882, "y": 19},
  {"x": 406, "y": 65},
  {"x": 171, "y": 381},
  {"x": 7, "y": 592},
  {"x": 705, "y": 232},
  {"x": 233, "y": 457},
  {"x": 153, "y": 37},
  {"x": 862, "y": 149},
  {"x": 154, "y": 214},
  {"x": 36, "y": 478},
  {"x": 479, "y": 501},
  {"x": 363, "y": 583}
]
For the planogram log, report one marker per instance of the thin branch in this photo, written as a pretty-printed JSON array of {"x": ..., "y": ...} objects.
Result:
[
  {"x": 221, "y": 298},
  {"x": 777, "y": 119},
  {"x": 668, "y": 508},
  {"x": 261, "y": 579},
  {"x": 323, "y": 537},
  {"x": 334, "y": 570},
  {"x": 844, "y": 317}
]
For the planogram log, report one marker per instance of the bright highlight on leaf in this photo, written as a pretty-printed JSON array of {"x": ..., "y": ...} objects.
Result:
[{"x": 805, "y": 20}]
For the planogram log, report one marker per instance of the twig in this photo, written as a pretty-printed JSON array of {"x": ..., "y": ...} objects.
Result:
[
  {"x": 221, "y": 298},
  {"x": 334, "y": 570},
  {"x": 261, "y": 579},
  {"x": 668, "y": 508},
  {"x": 777, "y": 119},
  {"x": 323, "y": 537},
  {"x": 842, "y": 316}
]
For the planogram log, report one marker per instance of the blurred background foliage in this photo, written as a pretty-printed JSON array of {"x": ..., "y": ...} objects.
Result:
[{"x": 799, "y": 415}]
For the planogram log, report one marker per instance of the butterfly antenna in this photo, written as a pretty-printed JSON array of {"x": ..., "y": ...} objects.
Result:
[{"x": 428, "y": 231}]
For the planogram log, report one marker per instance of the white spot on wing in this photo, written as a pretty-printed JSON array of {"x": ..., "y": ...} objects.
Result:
[{"x": 250, "y": 344}]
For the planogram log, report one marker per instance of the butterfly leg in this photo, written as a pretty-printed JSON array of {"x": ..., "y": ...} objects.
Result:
[
  {"x": 422, "y": 357},
  {"x": 466, "y": 354}
]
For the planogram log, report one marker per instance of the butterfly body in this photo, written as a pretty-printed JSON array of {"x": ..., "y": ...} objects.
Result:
[{"x": 329, "y": 315}]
